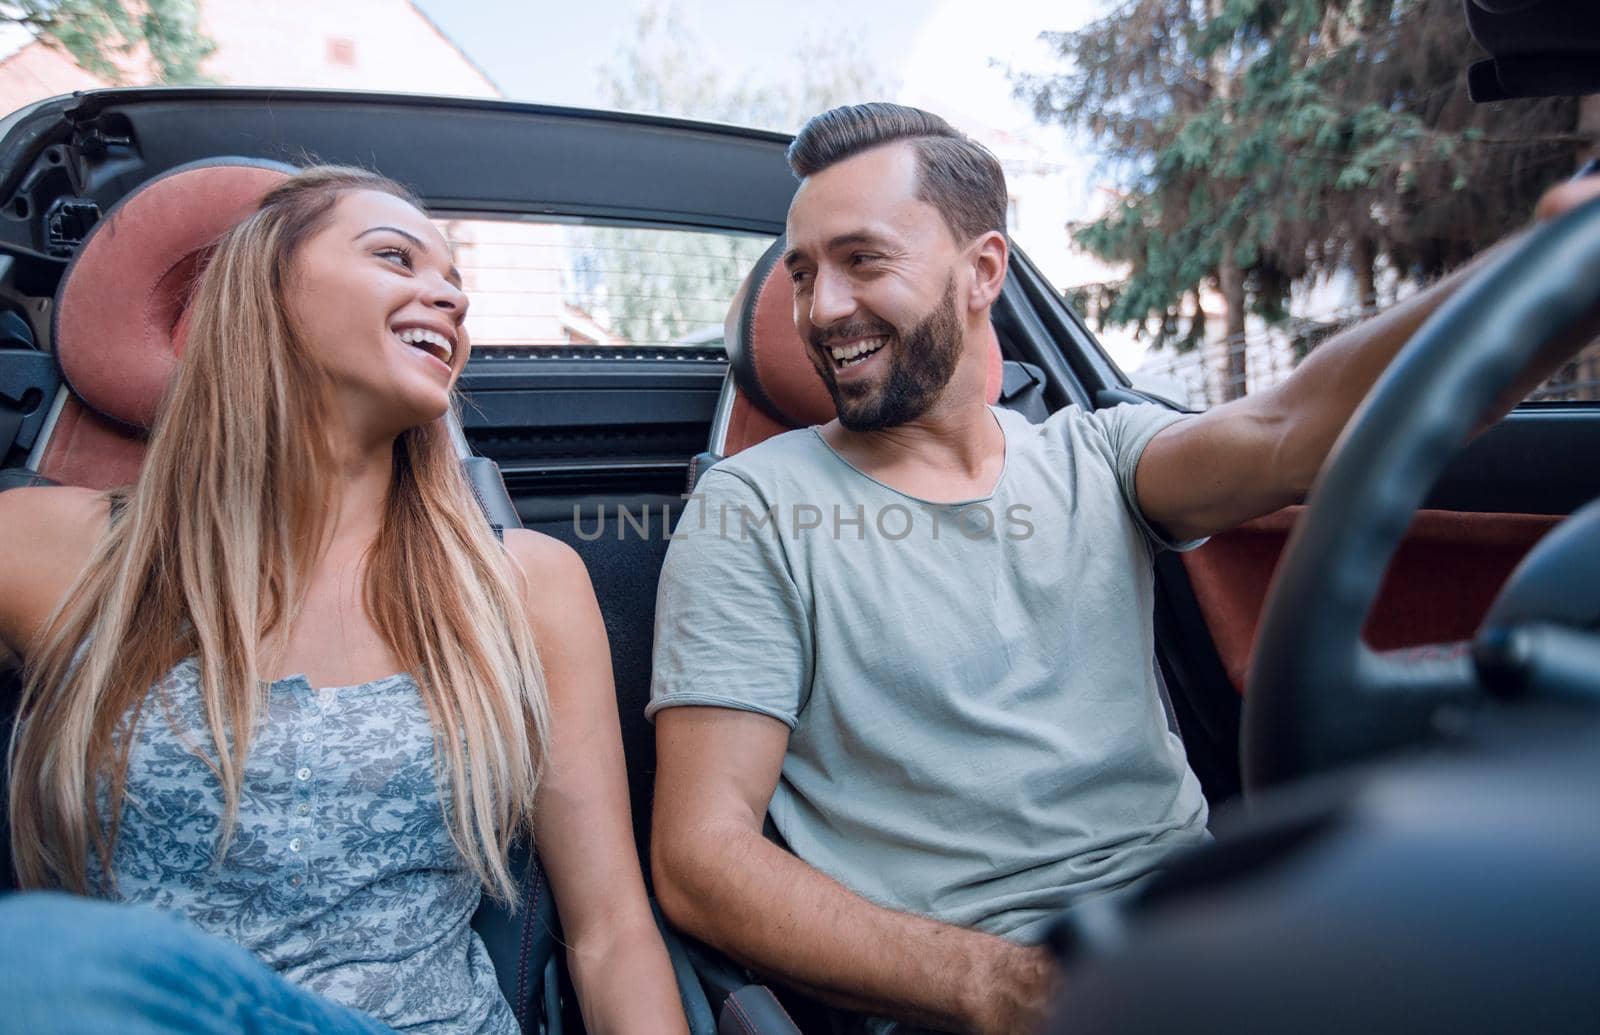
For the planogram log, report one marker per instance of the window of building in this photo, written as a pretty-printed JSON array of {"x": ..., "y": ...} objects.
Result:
[{"x": 341, "y": 51}]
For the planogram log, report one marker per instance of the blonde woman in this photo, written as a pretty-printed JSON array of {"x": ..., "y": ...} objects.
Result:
[{"x": 293, "y": 691}]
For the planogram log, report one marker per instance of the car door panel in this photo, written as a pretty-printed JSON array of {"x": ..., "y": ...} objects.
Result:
[
  {"x": 1439, "y": 585},
  {"x": 1496, "y": 500}
]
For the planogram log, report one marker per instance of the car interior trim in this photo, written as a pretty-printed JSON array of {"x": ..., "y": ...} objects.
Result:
[{"x": 36, "y": 454}]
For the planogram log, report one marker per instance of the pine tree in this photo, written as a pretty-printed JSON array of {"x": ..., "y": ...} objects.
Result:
[{"x": 1260, "y": 144}]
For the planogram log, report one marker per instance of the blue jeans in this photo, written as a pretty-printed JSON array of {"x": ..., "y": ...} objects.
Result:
[{"x": 73, "y": 964}]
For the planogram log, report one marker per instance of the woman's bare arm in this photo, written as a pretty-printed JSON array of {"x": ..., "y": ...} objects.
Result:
[
  {"x": 583, "y": 830},
  {"x": 46, "y": 537}
]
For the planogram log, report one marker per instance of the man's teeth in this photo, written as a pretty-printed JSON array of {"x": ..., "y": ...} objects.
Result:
[
  {"x": 843, "y": 354},
  {"x": 440, "y": 345}
]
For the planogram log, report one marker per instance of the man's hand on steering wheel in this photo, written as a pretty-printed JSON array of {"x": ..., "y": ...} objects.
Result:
[{"x": 1317, "y": 696}]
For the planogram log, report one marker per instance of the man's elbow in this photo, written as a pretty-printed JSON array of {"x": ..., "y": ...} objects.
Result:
[
  {"x": 666, "y": 879},
  {"x": 678, "y": 867},
  {"x": 1292, "y": 439},
  {"x": 1296, "y": 462}
]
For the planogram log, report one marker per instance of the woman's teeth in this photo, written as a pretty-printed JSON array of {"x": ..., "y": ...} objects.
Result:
[
  {"x": 432, "y": 342},
  {"x": 852, "y": 355}
]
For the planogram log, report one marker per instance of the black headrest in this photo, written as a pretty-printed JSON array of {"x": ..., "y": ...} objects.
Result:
[{"x": 1537, "y": 48}]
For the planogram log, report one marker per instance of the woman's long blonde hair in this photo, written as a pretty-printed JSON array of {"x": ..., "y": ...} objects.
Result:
[{"x": 208, "y": 559}]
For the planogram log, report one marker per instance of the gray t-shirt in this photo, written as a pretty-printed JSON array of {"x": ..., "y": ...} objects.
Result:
[{"x": 976, "y": 730}]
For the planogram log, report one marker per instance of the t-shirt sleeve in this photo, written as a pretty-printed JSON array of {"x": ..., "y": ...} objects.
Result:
[
  {"x": 1128, "y": 429},
  {"x": 732, "y": 630}
]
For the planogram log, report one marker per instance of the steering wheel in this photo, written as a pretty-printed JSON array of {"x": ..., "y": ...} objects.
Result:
[{"x": 1317, "y": 696}]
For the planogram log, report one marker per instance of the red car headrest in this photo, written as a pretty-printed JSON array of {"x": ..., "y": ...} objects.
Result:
[
  {"x": 768, "y": 358},
  {"x": 119, "y": 314}
]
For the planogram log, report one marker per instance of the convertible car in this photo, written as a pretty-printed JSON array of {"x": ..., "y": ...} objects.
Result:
[{"x": 1390, "y": 695}]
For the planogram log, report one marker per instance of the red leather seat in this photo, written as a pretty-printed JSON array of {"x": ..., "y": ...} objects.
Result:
[{"x": 118, "y": 322}]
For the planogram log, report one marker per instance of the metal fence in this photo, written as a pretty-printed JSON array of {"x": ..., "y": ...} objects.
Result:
[
  {"x": 1578, "y": 381},
  {"x": 1216, "y": 371}
]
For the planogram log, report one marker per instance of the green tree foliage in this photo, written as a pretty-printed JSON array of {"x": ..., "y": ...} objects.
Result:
[
  {"x": 104, "y": 36},
  {"x": 649, "y": 292},
  {"x": 1256, "y": 144}
]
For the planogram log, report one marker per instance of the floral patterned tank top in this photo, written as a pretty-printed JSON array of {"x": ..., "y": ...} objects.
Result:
[{"x": 341, "y": 874}]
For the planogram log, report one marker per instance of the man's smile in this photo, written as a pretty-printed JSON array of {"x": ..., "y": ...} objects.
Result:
[{"x": 855, "y": 353}]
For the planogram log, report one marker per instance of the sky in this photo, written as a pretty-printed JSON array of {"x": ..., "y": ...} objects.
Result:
[
  {"x": 947, "y": 56},
  {"x": 558, "y": 53}
]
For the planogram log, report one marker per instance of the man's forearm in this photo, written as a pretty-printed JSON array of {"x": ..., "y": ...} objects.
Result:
[
  {"x": 1318, "y": 399},
  {"x": 1255, "y": 455},
  {"x": 777, "y": 915},
  {"x": 1258, "y": 454}
]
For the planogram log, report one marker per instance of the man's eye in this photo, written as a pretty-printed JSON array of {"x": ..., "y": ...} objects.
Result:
[
  {"x": 798, "y": 276},
  {"x": 397, "y": 255},
  {"x": 860, "y": 258}
]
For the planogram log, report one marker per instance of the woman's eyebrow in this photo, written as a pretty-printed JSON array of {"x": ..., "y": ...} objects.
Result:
[{"x": 453, "y": 274}]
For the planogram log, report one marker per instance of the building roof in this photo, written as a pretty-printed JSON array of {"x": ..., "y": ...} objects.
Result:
[{"x": 459, "y": 49}]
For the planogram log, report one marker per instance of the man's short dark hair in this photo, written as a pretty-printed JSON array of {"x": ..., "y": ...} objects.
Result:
[{"x": 955, "y": 175}]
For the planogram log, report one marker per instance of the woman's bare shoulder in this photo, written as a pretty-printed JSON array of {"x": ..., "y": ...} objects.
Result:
[
  {"x": 556, "y": 591},
  {"x": 58, "y": 514},
  {"x": 46, "y": 536},
  {"x": 546, "y": 559}
]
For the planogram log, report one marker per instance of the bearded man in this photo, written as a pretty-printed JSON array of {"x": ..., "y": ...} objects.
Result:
[{"x": 953, "y": 722}]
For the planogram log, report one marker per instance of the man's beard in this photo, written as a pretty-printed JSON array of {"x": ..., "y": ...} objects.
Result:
[{"x": 920, "y": 366}]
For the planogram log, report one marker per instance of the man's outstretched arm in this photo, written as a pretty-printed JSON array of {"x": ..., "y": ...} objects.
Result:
[
  {"x": 1252, "y": 456},
  {"x": 721, "y": 881}
]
